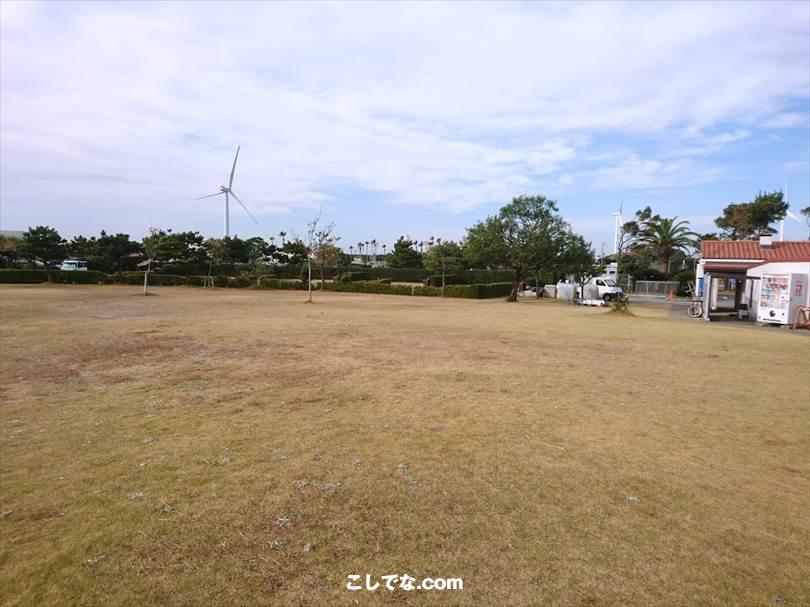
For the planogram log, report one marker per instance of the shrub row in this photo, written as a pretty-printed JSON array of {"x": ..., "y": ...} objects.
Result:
[
  {"x": 395, "y": 274},
  {"x": 282, "y": 283},
  {"x": 57, "y": 276},
  {"x": 369, "y": 286},
  {"x": 479, "y": 291},
  {"x": 354, "y": 276},
  {"x": 474, "y": 291}
]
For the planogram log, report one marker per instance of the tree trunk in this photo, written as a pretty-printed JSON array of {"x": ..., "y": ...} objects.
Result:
[
  {"x": 146, "y": 278},
  {"x": 515, "y": 285},
  {"x": 443, "y": 280},
  {"x": 47, "y": 272},
  {"x": 309, "y": 280}
]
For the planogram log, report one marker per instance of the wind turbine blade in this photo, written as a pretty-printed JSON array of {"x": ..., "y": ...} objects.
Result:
[
  {"x": 209, "y": 195},
  {"x": 244, "y": 207},
  {"x": 792, "y": 216},
  {"x": 230, "y": 183}
]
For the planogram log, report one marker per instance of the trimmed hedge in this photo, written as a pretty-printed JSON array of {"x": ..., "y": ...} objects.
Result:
[
  {"x": 384, "y": 286},
  {"x": 354, "y": 276},
  {"x": 427, "y": 291},
  {"x": 23, "y": 277},
  {"x": 31, "y": 277},
  {"x": 450, "y": 279},
  {"x": 282, "y": 283},
  {"x": 157, "y": 279},
  {"x": 479, "y": 291},
  {"x": 370, "y": 286}
]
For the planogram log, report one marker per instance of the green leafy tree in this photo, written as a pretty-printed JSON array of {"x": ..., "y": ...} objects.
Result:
[
  {"x": 82, "y": 247},
  {"x": 747, "y": 220},
  {"x": 444, "y": 258},
  {"x": 43, "y": 244},
  {"x": 806, "y": 212},
  {"x": 293, "y": 251},
  {"x": 404, "y": 255},
  {"x": 111, "y": 250},
  {"x": 526, "y": 234}
]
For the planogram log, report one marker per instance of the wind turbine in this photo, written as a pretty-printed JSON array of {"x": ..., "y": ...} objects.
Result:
[
  {"x": 790, "y": 214},
  {"x": 617, "y": 226},
  {"x": 229, "y": 192}
]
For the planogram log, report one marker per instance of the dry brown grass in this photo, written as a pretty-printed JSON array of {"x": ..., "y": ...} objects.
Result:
[{"x": 525, "y": 428}]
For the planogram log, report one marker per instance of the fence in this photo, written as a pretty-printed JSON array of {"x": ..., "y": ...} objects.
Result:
[{"x": 655, "y": 288}]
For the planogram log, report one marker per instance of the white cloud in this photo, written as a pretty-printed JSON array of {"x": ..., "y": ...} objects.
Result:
[
  {"x": 635, "y": 172},
  {"x": 129, "y": 106}
]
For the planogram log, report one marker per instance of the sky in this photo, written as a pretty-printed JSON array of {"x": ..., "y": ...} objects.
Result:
[{"x": 397, "y": 118}]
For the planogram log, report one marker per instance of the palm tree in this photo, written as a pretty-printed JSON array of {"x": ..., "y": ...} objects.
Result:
[
  {"x": 282, "y": 234},
  {"x": 665, "y": 236}
]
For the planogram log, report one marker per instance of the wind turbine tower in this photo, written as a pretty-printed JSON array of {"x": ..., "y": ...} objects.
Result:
[
  {"x": 228, "y": 191},
  {"x": 617, "y": 215}
]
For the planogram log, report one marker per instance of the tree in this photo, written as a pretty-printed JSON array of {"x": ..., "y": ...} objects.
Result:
[
  {"x": 577, "y": 259},
  {"x": 215, "y": 253},
  {"x": 665, "y": 236},
  {"x": 806, "y": 212},
  {"x": 318, "y": 239},
  {"x": 8, "y": 249},
  {"x": 404, "y": 255},
  {"x": 112, "y": 249},
  {"x": 328, "y": 255},
  {"x": 325, "y": 249},
  {"x": 292, "y": 252},
  {"x": 185, "y": 251},
  {"x": 525, "y": 235},
  {"x": 43, "y": 244},
  {"x": 747, "y": 220},
  {"x": 153, "y": 245},
  {"x": 445, "y": 257},
  {"x": 82, "y": 247}
]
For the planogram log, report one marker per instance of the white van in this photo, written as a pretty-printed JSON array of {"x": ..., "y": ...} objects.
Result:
[
  {"x": 596, "y": 288},
  {"x": 73, "y": 265}
]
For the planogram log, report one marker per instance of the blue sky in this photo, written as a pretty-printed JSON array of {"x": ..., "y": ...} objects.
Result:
[{"x": 397, "y": 118}]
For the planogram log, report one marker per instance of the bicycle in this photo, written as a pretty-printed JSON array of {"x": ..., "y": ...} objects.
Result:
[{"x": 695, "y": 309}]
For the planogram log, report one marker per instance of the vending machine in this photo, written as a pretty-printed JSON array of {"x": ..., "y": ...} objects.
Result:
[{"x": 779, "y": 297}]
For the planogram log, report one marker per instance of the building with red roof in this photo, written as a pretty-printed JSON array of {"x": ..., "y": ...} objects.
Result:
[{"x": 730, "y": 274}]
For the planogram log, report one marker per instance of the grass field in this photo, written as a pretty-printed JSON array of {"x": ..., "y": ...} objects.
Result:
[{"x": 237, "y": 447}]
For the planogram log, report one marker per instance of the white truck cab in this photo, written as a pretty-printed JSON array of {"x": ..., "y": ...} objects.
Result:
[{"x": 73, "y": 265}]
